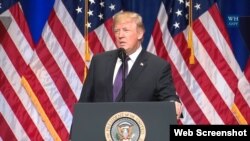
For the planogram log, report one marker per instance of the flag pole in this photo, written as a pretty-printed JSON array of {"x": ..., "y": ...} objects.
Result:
[{"x": 86, "y": 45}]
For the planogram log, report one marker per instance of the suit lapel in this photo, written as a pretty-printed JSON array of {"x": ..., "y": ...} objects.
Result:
[{"x": 109, "y": 68}]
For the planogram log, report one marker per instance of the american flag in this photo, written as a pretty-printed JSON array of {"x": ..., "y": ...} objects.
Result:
[
  {"x": 213, "y": 90},
  {"x": 41, "y": 78}
]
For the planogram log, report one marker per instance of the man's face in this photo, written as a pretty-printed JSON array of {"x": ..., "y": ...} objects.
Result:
[{"x": 127, "y": 35}]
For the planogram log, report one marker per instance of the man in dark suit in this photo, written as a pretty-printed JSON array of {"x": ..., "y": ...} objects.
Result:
[{"x": 149, "y": 77}]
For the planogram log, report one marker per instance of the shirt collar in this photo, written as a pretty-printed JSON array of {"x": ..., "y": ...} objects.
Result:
[{"x": 134, "y": 55}]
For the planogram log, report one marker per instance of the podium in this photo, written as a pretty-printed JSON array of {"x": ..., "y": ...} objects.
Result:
[{"x": 132, "y": 121}]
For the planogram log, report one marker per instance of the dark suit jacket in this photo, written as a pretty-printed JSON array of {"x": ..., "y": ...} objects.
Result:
[{"x": 149, "y": 79}]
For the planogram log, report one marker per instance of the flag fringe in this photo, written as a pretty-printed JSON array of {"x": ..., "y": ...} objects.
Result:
[
  {"x": 87, "y": 52},
  {"x": 85, "y": 73},
  {"x": 190, "y": 34},
  {"x": 39, "y": 108}
]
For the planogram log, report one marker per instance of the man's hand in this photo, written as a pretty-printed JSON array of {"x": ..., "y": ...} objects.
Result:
[{"x": 178, "y": 108}]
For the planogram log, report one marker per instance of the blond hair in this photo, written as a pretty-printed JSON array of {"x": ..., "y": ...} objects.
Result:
[{"x": 131, "y": 15}]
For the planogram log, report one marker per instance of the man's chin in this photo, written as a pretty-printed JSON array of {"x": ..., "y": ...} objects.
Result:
[{"x": 122, "y": 47}]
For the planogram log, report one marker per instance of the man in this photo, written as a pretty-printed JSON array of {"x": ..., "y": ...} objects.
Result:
[{"x": 149, "y": 77}]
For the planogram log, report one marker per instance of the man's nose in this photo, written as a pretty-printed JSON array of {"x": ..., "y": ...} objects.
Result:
[{"x": 121, "y": 34}]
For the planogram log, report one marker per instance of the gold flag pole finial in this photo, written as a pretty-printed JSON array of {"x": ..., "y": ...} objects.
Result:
[{"x": 190, "y": 33}]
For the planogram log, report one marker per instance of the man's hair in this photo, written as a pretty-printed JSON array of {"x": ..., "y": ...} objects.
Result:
[{"x": 128, "y": 14}]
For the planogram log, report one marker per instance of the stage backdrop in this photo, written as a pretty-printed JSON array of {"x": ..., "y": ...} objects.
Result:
[{"x": 46, "y": 47}]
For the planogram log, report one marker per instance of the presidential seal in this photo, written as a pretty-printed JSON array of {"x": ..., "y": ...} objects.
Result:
[{"x": 125, "y": 126}]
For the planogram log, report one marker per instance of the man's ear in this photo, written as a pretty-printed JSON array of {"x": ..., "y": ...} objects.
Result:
[{"x": 140, "y": 34}]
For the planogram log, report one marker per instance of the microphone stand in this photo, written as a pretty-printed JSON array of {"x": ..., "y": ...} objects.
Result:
[
  {"x": 122, "y": 55},
  {"x": 123, "y": 80}
]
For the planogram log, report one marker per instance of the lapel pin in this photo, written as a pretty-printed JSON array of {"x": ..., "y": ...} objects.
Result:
[{"x": 141, "y": 64}]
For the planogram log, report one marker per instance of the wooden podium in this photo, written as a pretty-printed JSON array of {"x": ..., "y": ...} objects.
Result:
[{"x": 137, "y": 121}]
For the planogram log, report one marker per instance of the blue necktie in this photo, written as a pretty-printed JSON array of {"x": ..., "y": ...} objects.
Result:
[{"x": 118, "y": 80}]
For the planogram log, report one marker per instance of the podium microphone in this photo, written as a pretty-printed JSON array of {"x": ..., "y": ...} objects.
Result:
[{"x": 122, "y": 55}]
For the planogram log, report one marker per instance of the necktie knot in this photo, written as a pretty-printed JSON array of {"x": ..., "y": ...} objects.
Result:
[{"x": 127, "y": 59}]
